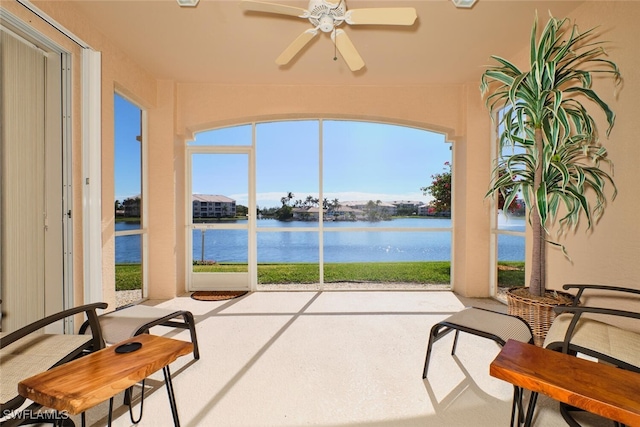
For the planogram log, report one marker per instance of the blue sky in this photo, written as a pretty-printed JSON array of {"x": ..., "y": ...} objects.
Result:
[
  {"x": 361, "y": 160},
  {"x": 127, "y": 149}
]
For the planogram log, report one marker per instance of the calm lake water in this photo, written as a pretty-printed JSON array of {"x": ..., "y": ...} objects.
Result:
[{"x": 360, "y": 246}]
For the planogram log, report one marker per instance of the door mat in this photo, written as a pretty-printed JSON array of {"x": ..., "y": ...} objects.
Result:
[{"x": 216, "y": 295}]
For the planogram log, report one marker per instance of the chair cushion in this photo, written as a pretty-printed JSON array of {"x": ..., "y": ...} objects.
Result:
[
  {"x": 498, "y": 324},
  {"x": 31, "y": 355},
  {"x": 122, "y": 324},
  {"x": 599, "y": 337}
]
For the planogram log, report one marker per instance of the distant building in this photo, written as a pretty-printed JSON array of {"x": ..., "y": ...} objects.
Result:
[
  {"x": 307, "y": 214},
  {"x": 381, "y": 207},
  {"x": 424, "y": 210},
  {"x": 407, "y": 204},
  {"x": 407, "y": 207},
  {"x": 345, "y": 213},
  {"x": 213, "y": 206}
]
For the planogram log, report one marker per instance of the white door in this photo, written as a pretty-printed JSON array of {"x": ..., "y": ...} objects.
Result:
[{"x": 218, "y": 224}]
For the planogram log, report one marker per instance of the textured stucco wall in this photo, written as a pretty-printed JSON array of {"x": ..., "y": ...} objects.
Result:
[
  {"x": 176, "y": 110},
  {"x": 609, "y": 253},
  {"x": 451, "y": 109}
]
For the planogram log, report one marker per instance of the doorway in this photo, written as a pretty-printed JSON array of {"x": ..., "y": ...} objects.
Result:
[{"x": 218, "y": 219}]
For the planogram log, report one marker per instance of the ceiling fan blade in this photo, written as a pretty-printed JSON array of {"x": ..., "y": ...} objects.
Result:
[
  {"x": 382, "y": 16},
  {"x": 259, "y": 6},
  {"x": 295, "y": 47},
  {"x": 347, "y": 50}
]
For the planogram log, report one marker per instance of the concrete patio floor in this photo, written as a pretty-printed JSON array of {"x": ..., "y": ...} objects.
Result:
[{"x": 329, "y": 359}]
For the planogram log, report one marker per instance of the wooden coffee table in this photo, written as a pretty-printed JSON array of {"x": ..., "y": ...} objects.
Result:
[
  {"x": 92, "y": 379},
  {"x": 595, "y": 387}
]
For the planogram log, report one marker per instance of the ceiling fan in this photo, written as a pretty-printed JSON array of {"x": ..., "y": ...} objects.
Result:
[{"x": 326, "y": 17}]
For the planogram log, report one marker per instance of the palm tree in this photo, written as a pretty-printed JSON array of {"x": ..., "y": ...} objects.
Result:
[
  {"x": 308, "y": 201},
  {"x": 286, "y": 200},
  {"x": 558, "y": 163},
  {"x": 334, "y": 205}
]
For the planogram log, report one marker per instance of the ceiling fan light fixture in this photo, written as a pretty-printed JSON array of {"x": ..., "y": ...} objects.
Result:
[
  {"x": 463, "y": 3},
  {"x": 327, "y": 23},
  {"x": 188, "y": 3}
]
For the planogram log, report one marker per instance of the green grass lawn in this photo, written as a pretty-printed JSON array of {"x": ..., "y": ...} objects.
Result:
[
  {"x": 510, "y": 273},
  {"x": 129, "y": 276}
]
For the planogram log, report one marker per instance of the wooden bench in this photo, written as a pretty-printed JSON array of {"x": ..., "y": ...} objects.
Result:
[
  {"x": 28, "y": 351},
  {"x": 595, "y": 387},
  {"x": 85, "y": 382}
]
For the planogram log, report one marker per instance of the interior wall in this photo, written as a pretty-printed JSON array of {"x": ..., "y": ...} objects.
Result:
[
  {"x": 206, "y": 106},
  {"x": 472, "y": 220},
  {"x": 179, "y": 162},
  {"x": 609, "y": 253},
  {"x": 161, "y": 197},
  {"x": 449, "y": 109}
]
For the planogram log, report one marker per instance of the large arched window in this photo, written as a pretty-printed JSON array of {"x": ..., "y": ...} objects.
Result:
[{"x": 329, "y": 204}]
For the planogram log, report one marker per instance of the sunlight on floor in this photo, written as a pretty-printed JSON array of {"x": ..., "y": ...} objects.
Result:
[{"x": 327, "y": 359}]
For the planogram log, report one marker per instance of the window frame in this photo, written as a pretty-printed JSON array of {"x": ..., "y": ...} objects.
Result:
[
  {"x": 319, "y": 228},
  {"x": 143, "y": 230},
  {"x": 495, "y": 229}
]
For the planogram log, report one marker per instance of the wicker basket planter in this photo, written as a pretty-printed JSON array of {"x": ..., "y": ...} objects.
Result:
[{"x": 538, "y": 313}]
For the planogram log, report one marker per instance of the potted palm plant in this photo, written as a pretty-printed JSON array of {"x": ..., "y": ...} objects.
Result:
[{"x": 556, "y": 160}]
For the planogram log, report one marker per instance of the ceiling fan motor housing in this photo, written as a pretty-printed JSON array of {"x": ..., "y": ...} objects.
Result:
[{"x": 326, "y": 15}]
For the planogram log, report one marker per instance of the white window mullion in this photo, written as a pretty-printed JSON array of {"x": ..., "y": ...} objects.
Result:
[{"x": 321, "y": 210}]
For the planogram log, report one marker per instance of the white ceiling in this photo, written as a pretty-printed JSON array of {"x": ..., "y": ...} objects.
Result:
[{"x": 218, "y": 42}]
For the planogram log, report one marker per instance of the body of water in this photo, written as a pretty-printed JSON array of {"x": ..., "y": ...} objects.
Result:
[{"x": 339, "y": 246}]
